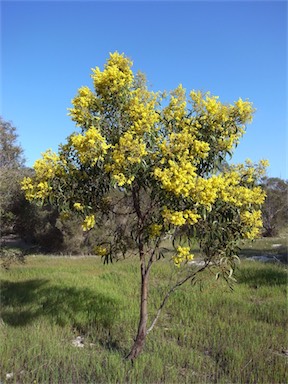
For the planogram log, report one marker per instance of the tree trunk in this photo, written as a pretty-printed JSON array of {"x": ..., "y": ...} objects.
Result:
[{"x": 142, "y": 327}]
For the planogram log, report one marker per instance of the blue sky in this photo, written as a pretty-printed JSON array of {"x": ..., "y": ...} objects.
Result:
[{"x": 233, "y": 49}]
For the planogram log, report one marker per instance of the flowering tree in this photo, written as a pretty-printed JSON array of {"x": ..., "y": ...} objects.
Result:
[{"x": 161, "y": 168}]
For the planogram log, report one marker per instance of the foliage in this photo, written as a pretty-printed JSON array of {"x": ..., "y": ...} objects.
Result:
[
  {"x": 10, "y": 256},
  {"x": 275, "y": 208},
  {"x": 11, "y": 153},
  {"x": 36, "y": 225},
  {"x": 11, "y": 173},
  {"x": 10, "y": 196},
  {"x": 162, "y": 154}
]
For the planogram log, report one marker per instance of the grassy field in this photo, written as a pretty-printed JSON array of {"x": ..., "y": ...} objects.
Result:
[{"x": 206, "y": 333}]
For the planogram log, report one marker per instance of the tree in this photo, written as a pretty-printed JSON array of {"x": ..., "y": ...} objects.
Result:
[
  {"x": 11, "y": 153},
  {"x": 275, "y": 208},
  {"x": 157, "y": 165},
  {"x": 11, "y": 173}
]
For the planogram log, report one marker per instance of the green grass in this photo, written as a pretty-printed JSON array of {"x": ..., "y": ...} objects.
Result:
[{"x": 206, "y": 333}]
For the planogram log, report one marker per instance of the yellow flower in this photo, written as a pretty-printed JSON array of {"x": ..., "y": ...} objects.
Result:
[
  {"x": 180, "y": 217},
  {"x": 101, "y": 251},
  {"x": 183, "y": 255},
  {"x": 264, "y": 163},
  {"x": 88, "y": 223},
  {"x": 83, "y": 102},
  {"x": 127, "y": 153},
  {"x": 90, "y": 146},
  {"x": 116, "y": 77},
  {"x": 43, "y": 190},
  {"x": 155, "y": 230},
  {"x": 28, "y": 188},
  {"x": 253, "y": 223},
  {"x": 78, "y": 206}
]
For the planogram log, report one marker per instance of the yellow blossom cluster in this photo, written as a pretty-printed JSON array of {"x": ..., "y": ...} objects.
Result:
[
  {"x": 183, "y": 255},
  {"x": 116, "y": 76},
  {"x": 100, "y": 250},
  {"x": 181, "y": 179},
  {"x": 244, "y": 110},
  {"x": 78, "y": 206},
  {"x": 175, "y": 113},
  {"x": 180, "y": 154},
  {"x": 38, "y": 191},
  {"x": 181, "y": 149},
  {"x": 205, "y": 191},
  {"x": 179, "y": 218},
  {"x": 155, "y": 230},
  {"x": 88, "y": 223},
  {"x": 250, "y": 172},
  {"x": 213, "y": 106},
  {"x": 209, "y": 106},
  {"x": 141, "y": 111},
  {"x": 264, "y": 163},
  {"x": 253, "y": 223},
  {"x": 126, "y": 153},
  {"x": 43, "y": 190},
  {"x": 184, "y": 144},
  {"x": 28, "y": 187},
  {"x": 231, "y": 191},
  {"x": 83, "y": 104},
  {"x": 46, "y": 168},
  {"x": 177, "y": 177},
  {"x": 227, "y": 142},
  {"x": 226, "y": 122},
  {"x": 91, "y": 146}
]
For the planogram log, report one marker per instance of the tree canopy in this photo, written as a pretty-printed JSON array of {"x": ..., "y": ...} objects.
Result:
[
  {"x": 11, "y": 153},
  {"x": 11, "y": 173},
  {"x": 157, "y": 161}
]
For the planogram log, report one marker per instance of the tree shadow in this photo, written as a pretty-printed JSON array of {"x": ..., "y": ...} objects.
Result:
[
  {"x": 280, "y": 253},
  {"x": 256, "y": 277},
  {"x": 25, "y": 301}
]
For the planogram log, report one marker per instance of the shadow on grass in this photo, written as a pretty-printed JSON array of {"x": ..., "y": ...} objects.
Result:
[
  {"x": 256, "y": 277},
  {"x": 280, "y": 252},
  {"x": 25, "y": 301}
]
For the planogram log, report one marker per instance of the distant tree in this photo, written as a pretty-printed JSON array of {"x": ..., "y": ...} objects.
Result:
[
  {"x": 11, "y": 173},
  {"x": 34, "y": 224},
  {"x": 166, "y": 164},
  {"x": 11, "y": 152},
  {"x": 275, "y": 208}
]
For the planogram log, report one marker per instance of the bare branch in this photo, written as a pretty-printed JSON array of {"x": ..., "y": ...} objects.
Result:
[{"x": 171, "y": 290}]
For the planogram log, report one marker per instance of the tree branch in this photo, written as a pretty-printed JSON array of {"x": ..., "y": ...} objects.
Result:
[{"x": 171, "y": 290}]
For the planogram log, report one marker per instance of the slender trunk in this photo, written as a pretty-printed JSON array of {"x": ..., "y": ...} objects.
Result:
[{"x": 142, "y": 327}]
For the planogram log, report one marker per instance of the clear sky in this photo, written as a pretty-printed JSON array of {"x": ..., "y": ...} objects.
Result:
[{"x": 231, "y": 48}]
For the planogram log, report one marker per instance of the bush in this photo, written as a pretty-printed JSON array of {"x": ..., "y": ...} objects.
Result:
[{"x": 9, "y": 256}]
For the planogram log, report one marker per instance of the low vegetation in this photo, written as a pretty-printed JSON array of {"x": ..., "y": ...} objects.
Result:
[{"x": 204, "y": 335}]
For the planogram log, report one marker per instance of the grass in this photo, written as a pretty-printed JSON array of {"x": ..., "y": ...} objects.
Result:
[{"x": 206, "y": 333}]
